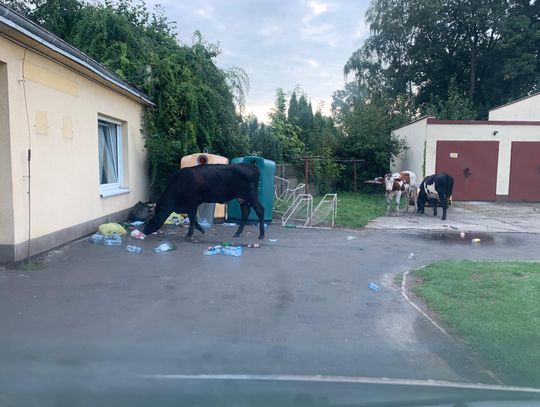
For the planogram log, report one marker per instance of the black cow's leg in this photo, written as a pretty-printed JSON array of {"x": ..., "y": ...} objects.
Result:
[
  {"x": 434, "y": 203},
  {"x": 192, "y": 220},
  {"x": 259, "y": 210},
  {"x": 444, "y": 204},
  {"x": 193, "y": 224},
  {"x": 244, "y": 207}
]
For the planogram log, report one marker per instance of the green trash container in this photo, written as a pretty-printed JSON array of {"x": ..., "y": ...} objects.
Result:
[{"x": 266, "y": 190}]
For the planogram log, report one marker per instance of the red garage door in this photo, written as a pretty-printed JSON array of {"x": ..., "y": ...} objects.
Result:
[
  {"x": 473, "y": 165},
  {"x": 525, "y": 171}
]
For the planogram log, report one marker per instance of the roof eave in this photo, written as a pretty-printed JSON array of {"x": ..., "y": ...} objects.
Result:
[{"x": 21, "y": 30}]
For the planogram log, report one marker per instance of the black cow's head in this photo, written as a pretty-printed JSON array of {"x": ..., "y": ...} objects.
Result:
[{"x": 422, "y": 199}]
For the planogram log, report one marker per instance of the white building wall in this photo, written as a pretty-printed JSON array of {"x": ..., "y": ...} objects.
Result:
[
  {"x": 481, "y": 132},
  {"x": 65, "y": 164},
  {"x": 412, "y": 159},
  {"x": 526, "y": 109}
]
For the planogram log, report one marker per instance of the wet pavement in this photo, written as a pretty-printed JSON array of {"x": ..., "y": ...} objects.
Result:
[
  {"x": 490, "y": 217},
  {"x": 92, "y": 316}
]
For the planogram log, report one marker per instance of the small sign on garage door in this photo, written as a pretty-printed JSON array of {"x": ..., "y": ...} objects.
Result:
[{"x": 454, "y": 155}]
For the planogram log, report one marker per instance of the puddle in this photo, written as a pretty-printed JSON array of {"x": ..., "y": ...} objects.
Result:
[{"x": 455, "y": 237}]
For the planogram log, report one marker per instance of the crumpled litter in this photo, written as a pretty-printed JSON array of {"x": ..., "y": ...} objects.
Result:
[
  {"x": 137, "y": 234},
  {"x": 174, "y": 219},
  {"x": 137, "y": 223},
  {"x": 109, "y": 229}
]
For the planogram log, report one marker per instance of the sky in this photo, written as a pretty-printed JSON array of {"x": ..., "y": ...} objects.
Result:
[{"x": 279, "y": 43}]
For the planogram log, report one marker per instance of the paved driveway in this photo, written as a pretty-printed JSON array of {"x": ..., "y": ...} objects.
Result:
[
  {"x": 468, "y": 216},
  {"x": 93, "y": 315}
]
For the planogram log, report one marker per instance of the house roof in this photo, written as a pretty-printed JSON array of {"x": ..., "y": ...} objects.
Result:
[
  {"x": 414, "y": 121},
  {"x": 432, "y": 120},
  {"x": 515, "y": 101},
  {"x": 21, "y": 30}
]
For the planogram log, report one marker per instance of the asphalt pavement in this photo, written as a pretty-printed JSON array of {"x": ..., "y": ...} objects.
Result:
[{"x": 92, "y": 316}]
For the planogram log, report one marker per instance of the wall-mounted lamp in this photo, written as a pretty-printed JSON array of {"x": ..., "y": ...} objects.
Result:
[{"x": 495, "y": 132}]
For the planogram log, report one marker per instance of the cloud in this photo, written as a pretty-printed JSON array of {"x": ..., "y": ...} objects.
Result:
[
  {"x": 313, "y": 63},
  {"x": 206, "y": 11},
  {"x": 270, "y": 30},
  {"x": 317, "y": 8},
  {"x": 316, "y": 30}
]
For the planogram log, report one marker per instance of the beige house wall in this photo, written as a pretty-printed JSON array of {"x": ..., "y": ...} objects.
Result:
[
  {"x": 505, "y": 134},
  {"x": 412, "y": 159},
  {"x": 63, "y": 109},
  {"x": 527, "y": 109}
]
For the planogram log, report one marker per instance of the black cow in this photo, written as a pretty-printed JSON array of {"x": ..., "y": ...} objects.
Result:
[
  {"x": 436, "y": 187},
  {"x": 189, "y": 187}
]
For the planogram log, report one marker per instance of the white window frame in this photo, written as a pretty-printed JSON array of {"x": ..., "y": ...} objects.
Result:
[{"x": 113, "y": 188}]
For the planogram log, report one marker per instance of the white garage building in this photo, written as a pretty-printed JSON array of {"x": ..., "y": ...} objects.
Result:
[{"x": 495, "y": 159}]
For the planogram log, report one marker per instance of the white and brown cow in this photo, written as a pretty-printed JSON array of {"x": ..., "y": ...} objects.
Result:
[{"x": 397, "y": 184}]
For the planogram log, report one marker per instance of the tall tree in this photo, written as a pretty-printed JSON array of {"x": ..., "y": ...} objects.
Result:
[
  {"x": 417, "y": 47},
  {"x": 365, "y": 127},
  {"x": 293, "y": 112},
  {"x": 287, "y": 133}
]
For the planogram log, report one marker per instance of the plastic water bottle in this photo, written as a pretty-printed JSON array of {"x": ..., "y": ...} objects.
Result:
[
  {"x": 212, "y": 250},
  {"x": 113, "y": 240},
  {"x": 373, "y": 286},
  {"x": 133, "y": 249},
  {"x": 235, "y": 251},
  {"x": 96, "y": 238},
  {"x": 164, "y": 247}
]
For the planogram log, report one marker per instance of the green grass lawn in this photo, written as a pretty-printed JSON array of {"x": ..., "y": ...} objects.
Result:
[
  {"x": 357, "y": 209},
  {"x": 495, "y": 306}
]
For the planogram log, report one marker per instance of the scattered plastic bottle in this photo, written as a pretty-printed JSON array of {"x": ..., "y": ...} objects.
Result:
[
  {"x": 204, "y": 224},
  {"x": 235, "y": 251},
  {"x": 212, "y": 250},
  {"x": 164, "y": 247},
  {"x": 373, "y": 286},
  {"x": 113, "y": 240},
  {"x": 133, "y": 249},
  {"x": 96, "y": 238}
]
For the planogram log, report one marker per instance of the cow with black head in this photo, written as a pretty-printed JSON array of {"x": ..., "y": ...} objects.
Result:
[
  {"x": 436, "y": 188},
  {"x": 189, "y": 187}
]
